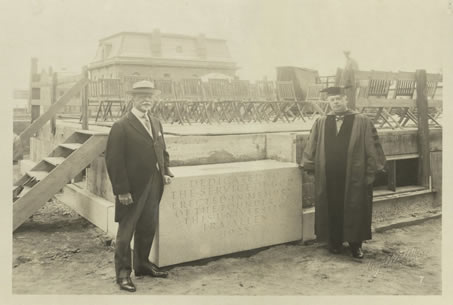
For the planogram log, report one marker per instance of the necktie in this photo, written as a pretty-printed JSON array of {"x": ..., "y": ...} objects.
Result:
[
  {"x": 147, "y": 123},
  {"x": 339, "y": 121}
]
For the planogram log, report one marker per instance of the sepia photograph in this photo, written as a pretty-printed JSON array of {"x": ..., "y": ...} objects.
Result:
[{"x": 225, "y": 148}]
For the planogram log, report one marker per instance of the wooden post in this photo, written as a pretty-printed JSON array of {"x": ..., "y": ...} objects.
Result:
[
  {"x": 35, "y": 112},
  {"x": 53, "y": 109},
  {"x": 33, "y": 72},
  {"x": 84, "y": 96},
  {"x": 53, "y": 99},
  {"x": 391, "y": 174},
  {"x": 423, "y": 129},
  {"x": 338, "y": 77},
  {"x": 351, "y": 91}
]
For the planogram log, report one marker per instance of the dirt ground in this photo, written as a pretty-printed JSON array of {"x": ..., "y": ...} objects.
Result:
[{"x": 77, "y": 258}]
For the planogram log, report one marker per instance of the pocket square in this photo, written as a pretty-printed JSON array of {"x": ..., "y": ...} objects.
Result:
[{"x": 160, "y": 134}]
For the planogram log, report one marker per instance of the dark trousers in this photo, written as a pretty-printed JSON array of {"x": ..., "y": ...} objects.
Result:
[{"x": 142, "y": 220}]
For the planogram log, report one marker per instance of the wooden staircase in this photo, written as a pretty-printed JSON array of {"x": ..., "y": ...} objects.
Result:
[{"x": 51, "y": 174}]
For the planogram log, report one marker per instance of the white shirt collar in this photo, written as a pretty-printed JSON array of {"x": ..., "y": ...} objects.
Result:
[{"x": 139, "y": 114}]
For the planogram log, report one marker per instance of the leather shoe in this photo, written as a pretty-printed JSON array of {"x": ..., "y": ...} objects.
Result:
[
  {"x": 357, "y": 252},
  {"x": 151, "y": 270},
  {"x": 335, "y": 247},
  {"x": 335, "y": 250},
  {"x": 126, "y": 284}
]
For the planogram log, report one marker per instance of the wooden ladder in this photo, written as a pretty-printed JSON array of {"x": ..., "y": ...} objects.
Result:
[{"x": 52, "y": 173}]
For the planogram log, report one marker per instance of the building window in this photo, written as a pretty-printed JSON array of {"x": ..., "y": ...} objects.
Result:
[
  {"x": 178, "y": 49},
  {"x": 106, "y": 50},
  {"x": 135, "y": 74},
  {"x": 36, "y": 93},
  {"x": 167, "y": 75}
]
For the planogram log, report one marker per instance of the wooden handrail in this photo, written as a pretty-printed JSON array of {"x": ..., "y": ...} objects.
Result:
[
  {"x": 53, "y": 109},
  {"x": 384, "y": 102},
  {"x": 388, "y": 75}
]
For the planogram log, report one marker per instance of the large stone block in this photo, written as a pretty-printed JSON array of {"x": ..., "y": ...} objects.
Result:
[
  {"x": 91, "y": 207},
  {"x": 281, "y": 147},
  {"x": 197, "y": 150},
  {"x": 112, "y": 226},
  {"x": 436, "y": 171},
  {"x": 308, "y": 223},
  {"x": 212, "y": 210},
  {"x": 98, "y": 181}
]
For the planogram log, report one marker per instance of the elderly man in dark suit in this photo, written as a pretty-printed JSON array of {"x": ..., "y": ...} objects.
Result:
[{"x": 138, "y": 167}]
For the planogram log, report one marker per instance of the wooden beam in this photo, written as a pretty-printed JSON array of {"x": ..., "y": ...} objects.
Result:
[
  {"x": 84, "y": 97},
  {"x": 423, "y": 129},
  {"x": 53, "y": 109},
  {"x": 351, "y": 92},
  {"x": 400, "y": 75},
  {"x": 387, "y": 75},
  {"x": 381, "y": 102},
  {"x": 41, "y": 192},
  {"x": 53, "y": 100},
  {"x": 338, "y": 79}
]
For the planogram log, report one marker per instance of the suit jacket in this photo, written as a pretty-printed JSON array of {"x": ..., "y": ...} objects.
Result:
[{"x": 133, "y": 157}]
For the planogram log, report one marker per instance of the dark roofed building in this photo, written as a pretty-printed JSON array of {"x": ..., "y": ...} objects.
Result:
[{"x": 160, "y": 55}]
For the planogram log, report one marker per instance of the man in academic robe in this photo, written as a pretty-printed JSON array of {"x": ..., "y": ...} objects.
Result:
[
  {"x": 138, "y": 166},
  {"x": 344, "y": 153}
]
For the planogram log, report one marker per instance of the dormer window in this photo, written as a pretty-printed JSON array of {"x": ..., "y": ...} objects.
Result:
[
  {"x": 106, "y": 50},
  {"x": 178, "y": 49}
]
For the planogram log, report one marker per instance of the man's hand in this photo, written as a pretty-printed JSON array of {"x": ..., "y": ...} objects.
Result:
[
  {"x": 306, "y": 170},
  {"x": 125, "y": 199},
  {"x": 167, "y": 179},
  {"x": 310, "y": 172}
]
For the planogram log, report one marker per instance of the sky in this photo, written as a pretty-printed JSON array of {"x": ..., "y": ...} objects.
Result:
[{"x": 386, "y": 35}]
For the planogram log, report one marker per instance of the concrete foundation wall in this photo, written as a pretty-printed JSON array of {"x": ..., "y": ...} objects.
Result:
[
  {"x": 393, "y": 208},
  {"x": 287, "y": 147},
  {"x": 393, "y": 142},
  {"x": 436, "y": 170}
]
